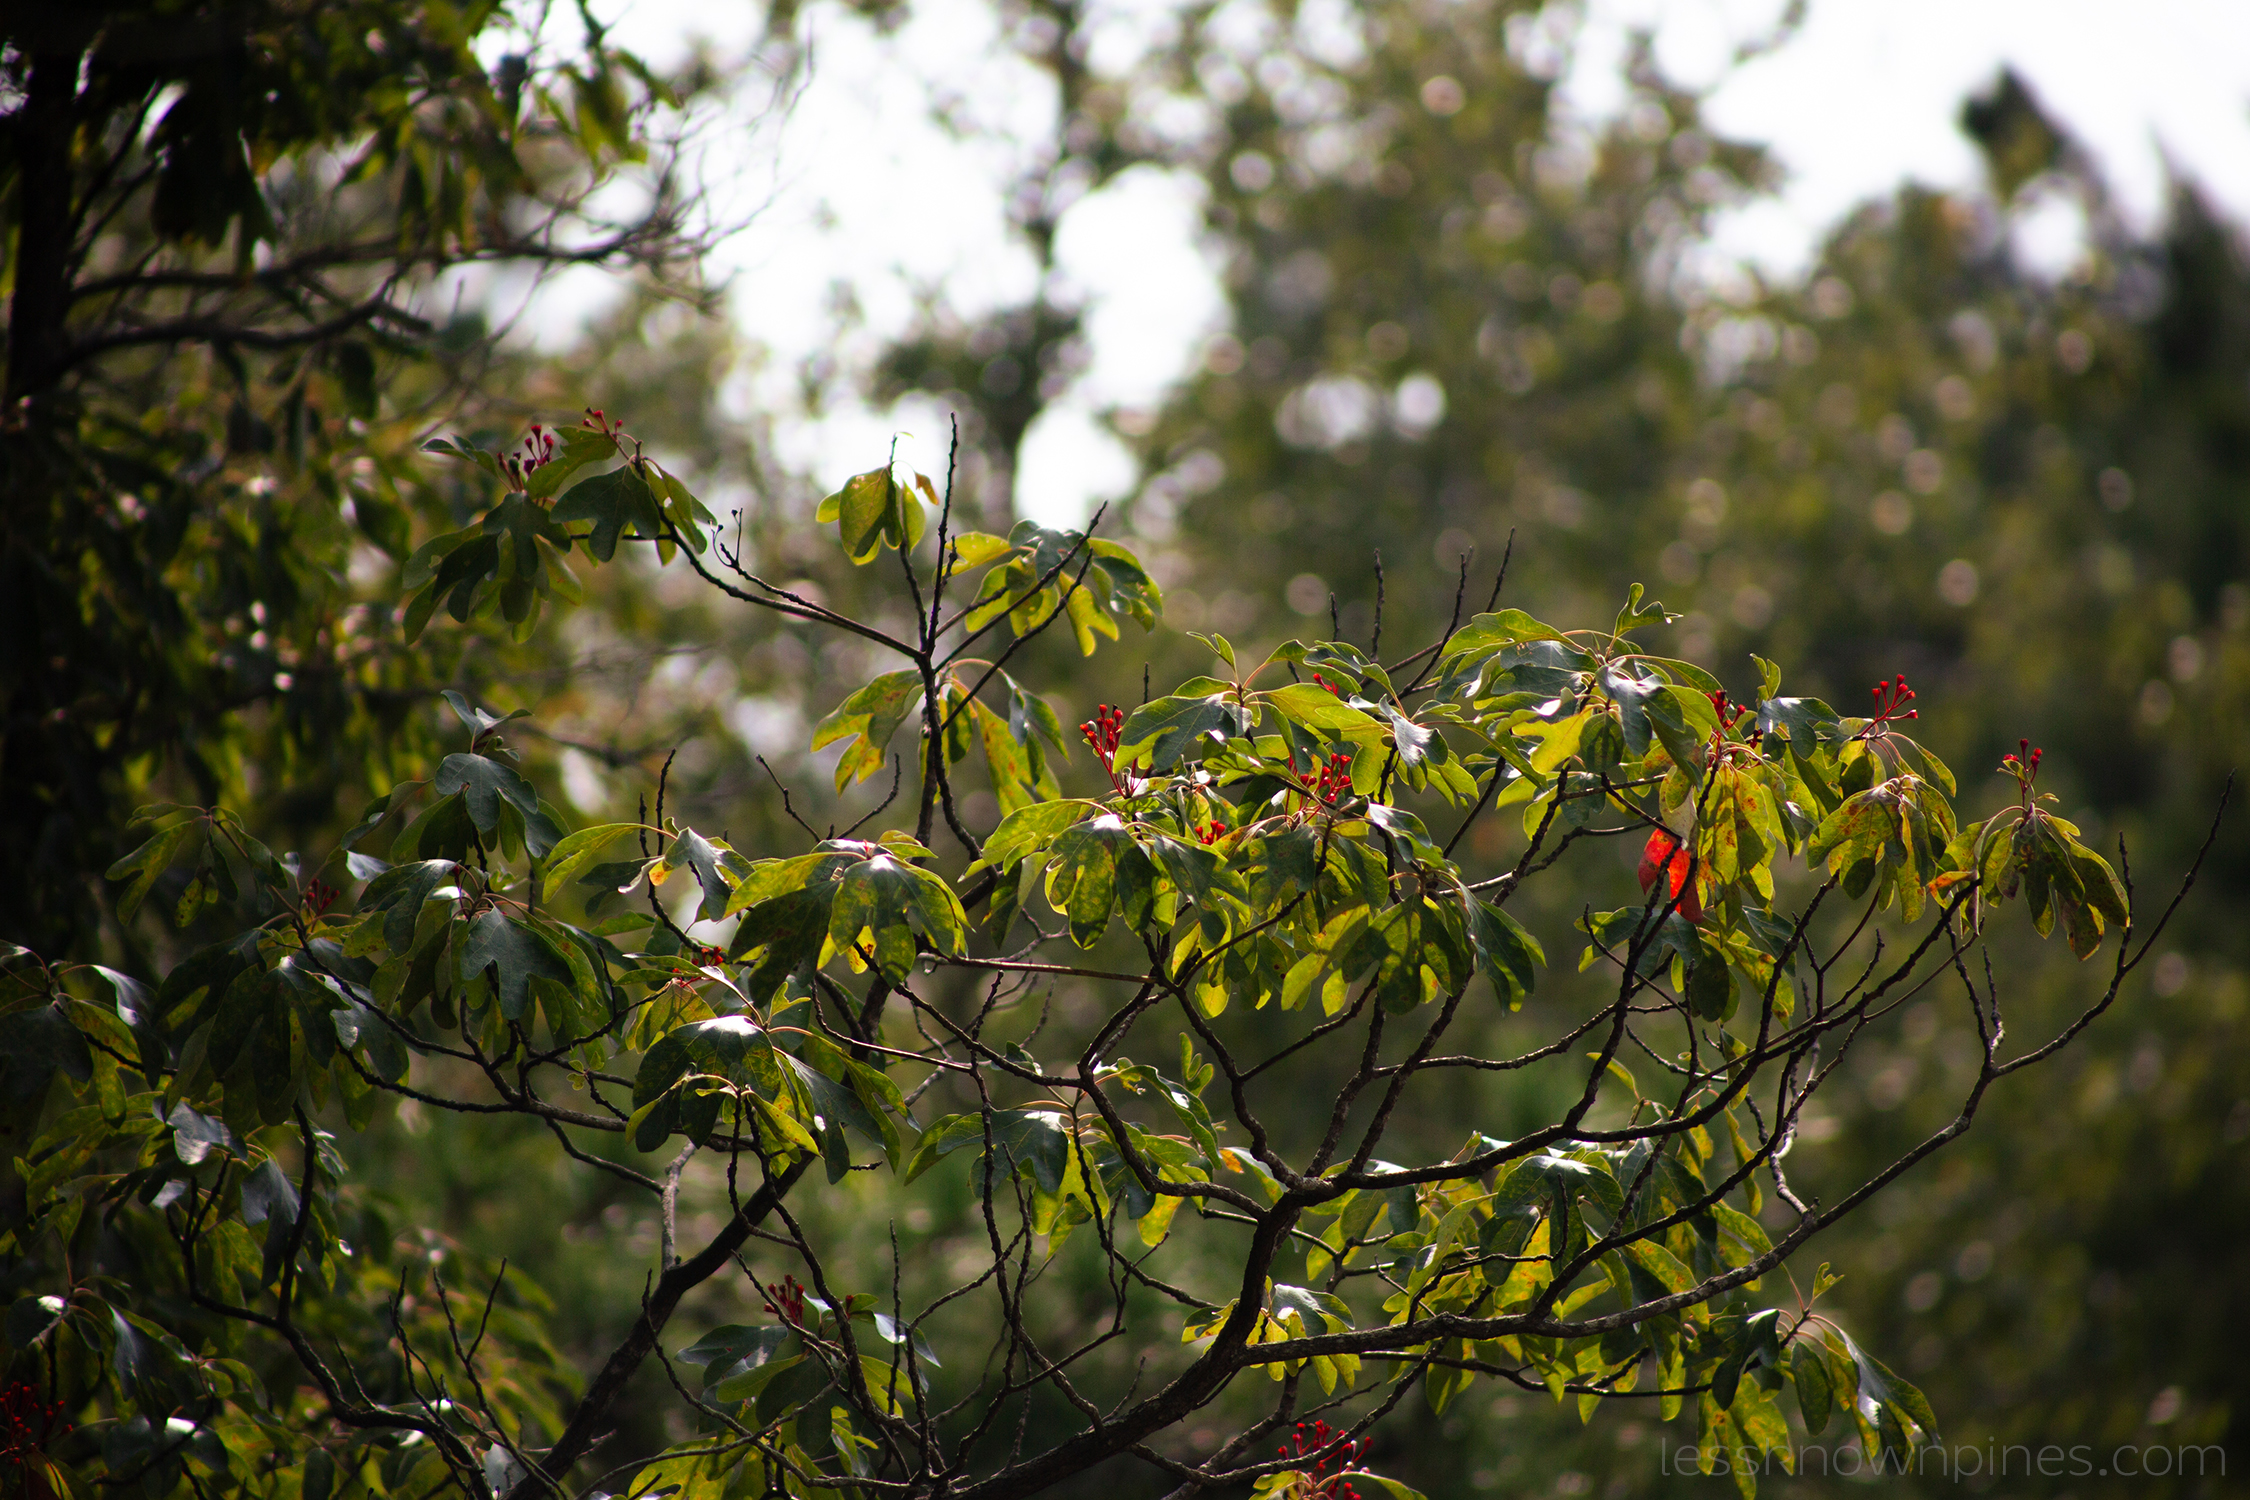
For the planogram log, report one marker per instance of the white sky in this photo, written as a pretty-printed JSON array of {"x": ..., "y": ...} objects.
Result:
[{"x": 859, "y": 187}]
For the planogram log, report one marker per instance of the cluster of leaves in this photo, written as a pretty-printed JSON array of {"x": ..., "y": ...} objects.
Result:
[
  {"x": 223, "y": 221},
  {"x": 1251, "y": 848}
]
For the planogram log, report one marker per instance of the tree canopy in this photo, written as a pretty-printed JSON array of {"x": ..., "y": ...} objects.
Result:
[{"x": 1252, "y": 891}]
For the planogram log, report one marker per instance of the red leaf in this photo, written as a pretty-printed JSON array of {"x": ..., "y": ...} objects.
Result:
[{"x": 1666, "y": 854}]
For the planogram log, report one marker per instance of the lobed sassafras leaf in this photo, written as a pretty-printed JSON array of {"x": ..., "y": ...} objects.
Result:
[
  {"x": 893, "y": 902},
  {"x": 732, "y": 1049},
  {"x": 868, "y": 718},
  {"x": 1030, "y": 829},
  {"x": 612, "y": 501},
  {"x": 1083, "y": 874},
  {"x": 484, "y": 784},
  {"x": 1129, "y": 585},
  {"x": 513, "y": 952}
]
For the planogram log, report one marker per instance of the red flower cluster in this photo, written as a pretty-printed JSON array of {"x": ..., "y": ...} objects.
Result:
[
  {"x": 1665, "y": 855},
  {"x": 1211, "y": 832},
  {"x": 1334, "y": 783},
  {"x": 2024, "y": 766},
  {"x": 27, "y": 1424},
  {"x": 1890, "y": 698},
  {"x": 1329, "y": 1474},
  {"x": 787, "y": 1302},
  {"x": 1103, "y": 732},
  {"x": 538, "y": 452},
  {"x": 1731, "y": 714},
  {"x": 319, "y": 896},
  {"x": 1324, "y": 682}
]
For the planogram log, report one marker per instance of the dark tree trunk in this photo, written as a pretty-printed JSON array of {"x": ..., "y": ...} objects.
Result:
[{"x": 37, "y": 338}]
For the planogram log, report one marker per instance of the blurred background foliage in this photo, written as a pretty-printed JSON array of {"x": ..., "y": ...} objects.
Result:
[{"x": 1457, "y": 322}]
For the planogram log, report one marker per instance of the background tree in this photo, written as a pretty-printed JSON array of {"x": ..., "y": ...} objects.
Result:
[{"x": 232, "y": 231}]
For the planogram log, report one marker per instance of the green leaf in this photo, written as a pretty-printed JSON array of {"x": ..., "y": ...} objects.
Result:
[
  {"x": 1803, "y": 722},
  {"x": 575, "y": 853},
  {"x": 892, "y": 901},
  {"x": 479, "y": 721},
  {"x": 513, "y": 953},
  {"x": 734, "y": 1349},
  {"x": 401, "y": 891},
  {"x": 1507, "y": 954},
  {"x": 1324, "y": 712},
  {"x": 1684, "y": 672},
  {"x": 1683, "y": 720},
  {"x": 1668, "y": 1270},
  {"x": 453, "y": 447},
  {"x": 1087, "y": 619},
  {"x": 580, "y": 446},
  {"x": 150, "y": 861},
  {"x": 1636, "y": 614},
  {"x": 1033, "y": 1141},
  {"x": 731, "y": 1048},
  {"x": 267, "y": 1192},
  {"x": 1508, "y": 627},
  {"x": 785, "y": 936},
  {"x": 611, "y": 501},
  {"x": 376, "y": 812},
  {"x": 1014, "y": 786},
  {"x": 1710, "y": 988},
  {"x": 699, "y": 854},
  {"x": 484, "y": 784},
  {"x": 1816, "y": 1394},
  {"x": 1032, "y": 828},
  {"x": 196, "y": 1135},
  {"x": 869, "y": 718},
  {"x": 1632, "y": 695},
  {"x": 873, "y": 509},
  {"x": 1163, "y": 732},
  {"x": 973, "y": 549},
  {"x": 770, "y": 879},
  {"x": 1857, "y": 829},
  {"x": 1083, "y": 878}
]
